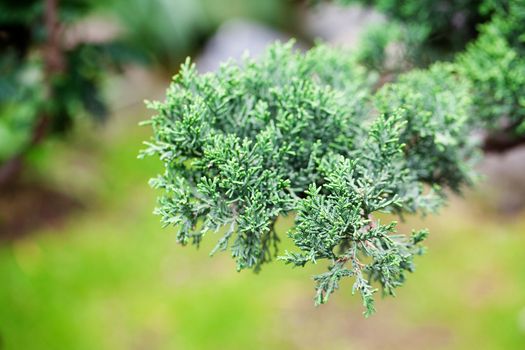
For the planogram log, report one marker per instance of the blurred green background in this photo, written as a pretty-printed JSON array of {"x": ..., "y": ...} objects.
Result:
[{"x": 100, "y": 273}]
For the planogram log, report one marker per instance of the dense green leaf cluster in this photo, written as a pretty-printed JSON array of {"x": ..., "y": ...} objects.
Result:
[
  {"x": 306, "y": 133},
  {"x": 242, "y": 145},
  {"x": 321, "y": 135}
]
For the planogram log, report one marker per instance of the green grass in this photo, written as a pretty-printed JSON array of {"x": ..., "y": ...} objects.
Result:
[{"x": 111, "y": 278}]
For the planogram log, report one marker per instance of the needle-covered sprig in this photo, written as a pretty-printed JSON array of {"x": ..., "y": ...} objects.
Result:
[{"x": 306, "y": 133}]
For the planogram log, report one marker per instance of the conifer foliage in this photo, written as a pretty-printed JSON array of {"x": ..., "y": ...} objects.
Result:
[{"x": 311, "y": 135}]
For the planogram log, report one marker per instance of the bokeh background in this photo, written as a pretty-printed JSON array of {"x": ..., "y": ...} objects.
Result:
[{"x": 84, "y": 264}]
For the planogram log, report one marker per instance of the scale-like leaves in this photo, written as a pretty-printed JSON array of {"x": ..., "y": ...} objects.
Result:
[{"x": 305, "y": 133}]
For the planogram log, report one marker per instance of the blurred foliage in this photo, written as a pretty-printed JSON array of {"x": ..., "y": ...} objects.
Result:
[
  {"x": 21, "y": 98},
  {"x": 163, "y": 30},
  {"x": 166, "y": 31},
  {"x": 37, "y": 97},
  {"x": 449, "y": 23},
  {"x": 495, "y": 63},
  {"x": 393, "y": 47}
]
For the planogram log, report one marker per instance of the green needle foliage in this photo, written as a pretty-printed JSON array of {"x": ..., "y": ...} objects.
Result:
[
  {"x": 319, "y": 135},
  {"x": 241, "y": 146},
  {"x": 305, "y": 133}
]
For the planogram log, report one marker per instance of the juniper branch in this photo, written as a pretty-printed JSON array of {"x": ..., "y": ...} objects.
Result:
[{"x": 308, "y": 134}]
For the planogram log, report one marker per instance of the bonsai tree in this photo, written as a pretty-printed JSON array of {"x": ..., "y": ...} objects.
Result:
[{"x": 336, "y": 137}]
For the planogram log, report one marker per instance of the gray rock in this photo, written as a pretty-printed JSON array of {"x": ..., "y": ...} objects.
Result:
[
  {"x": 335, "y": 24},
  {"x": 235, "y": 38}
]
